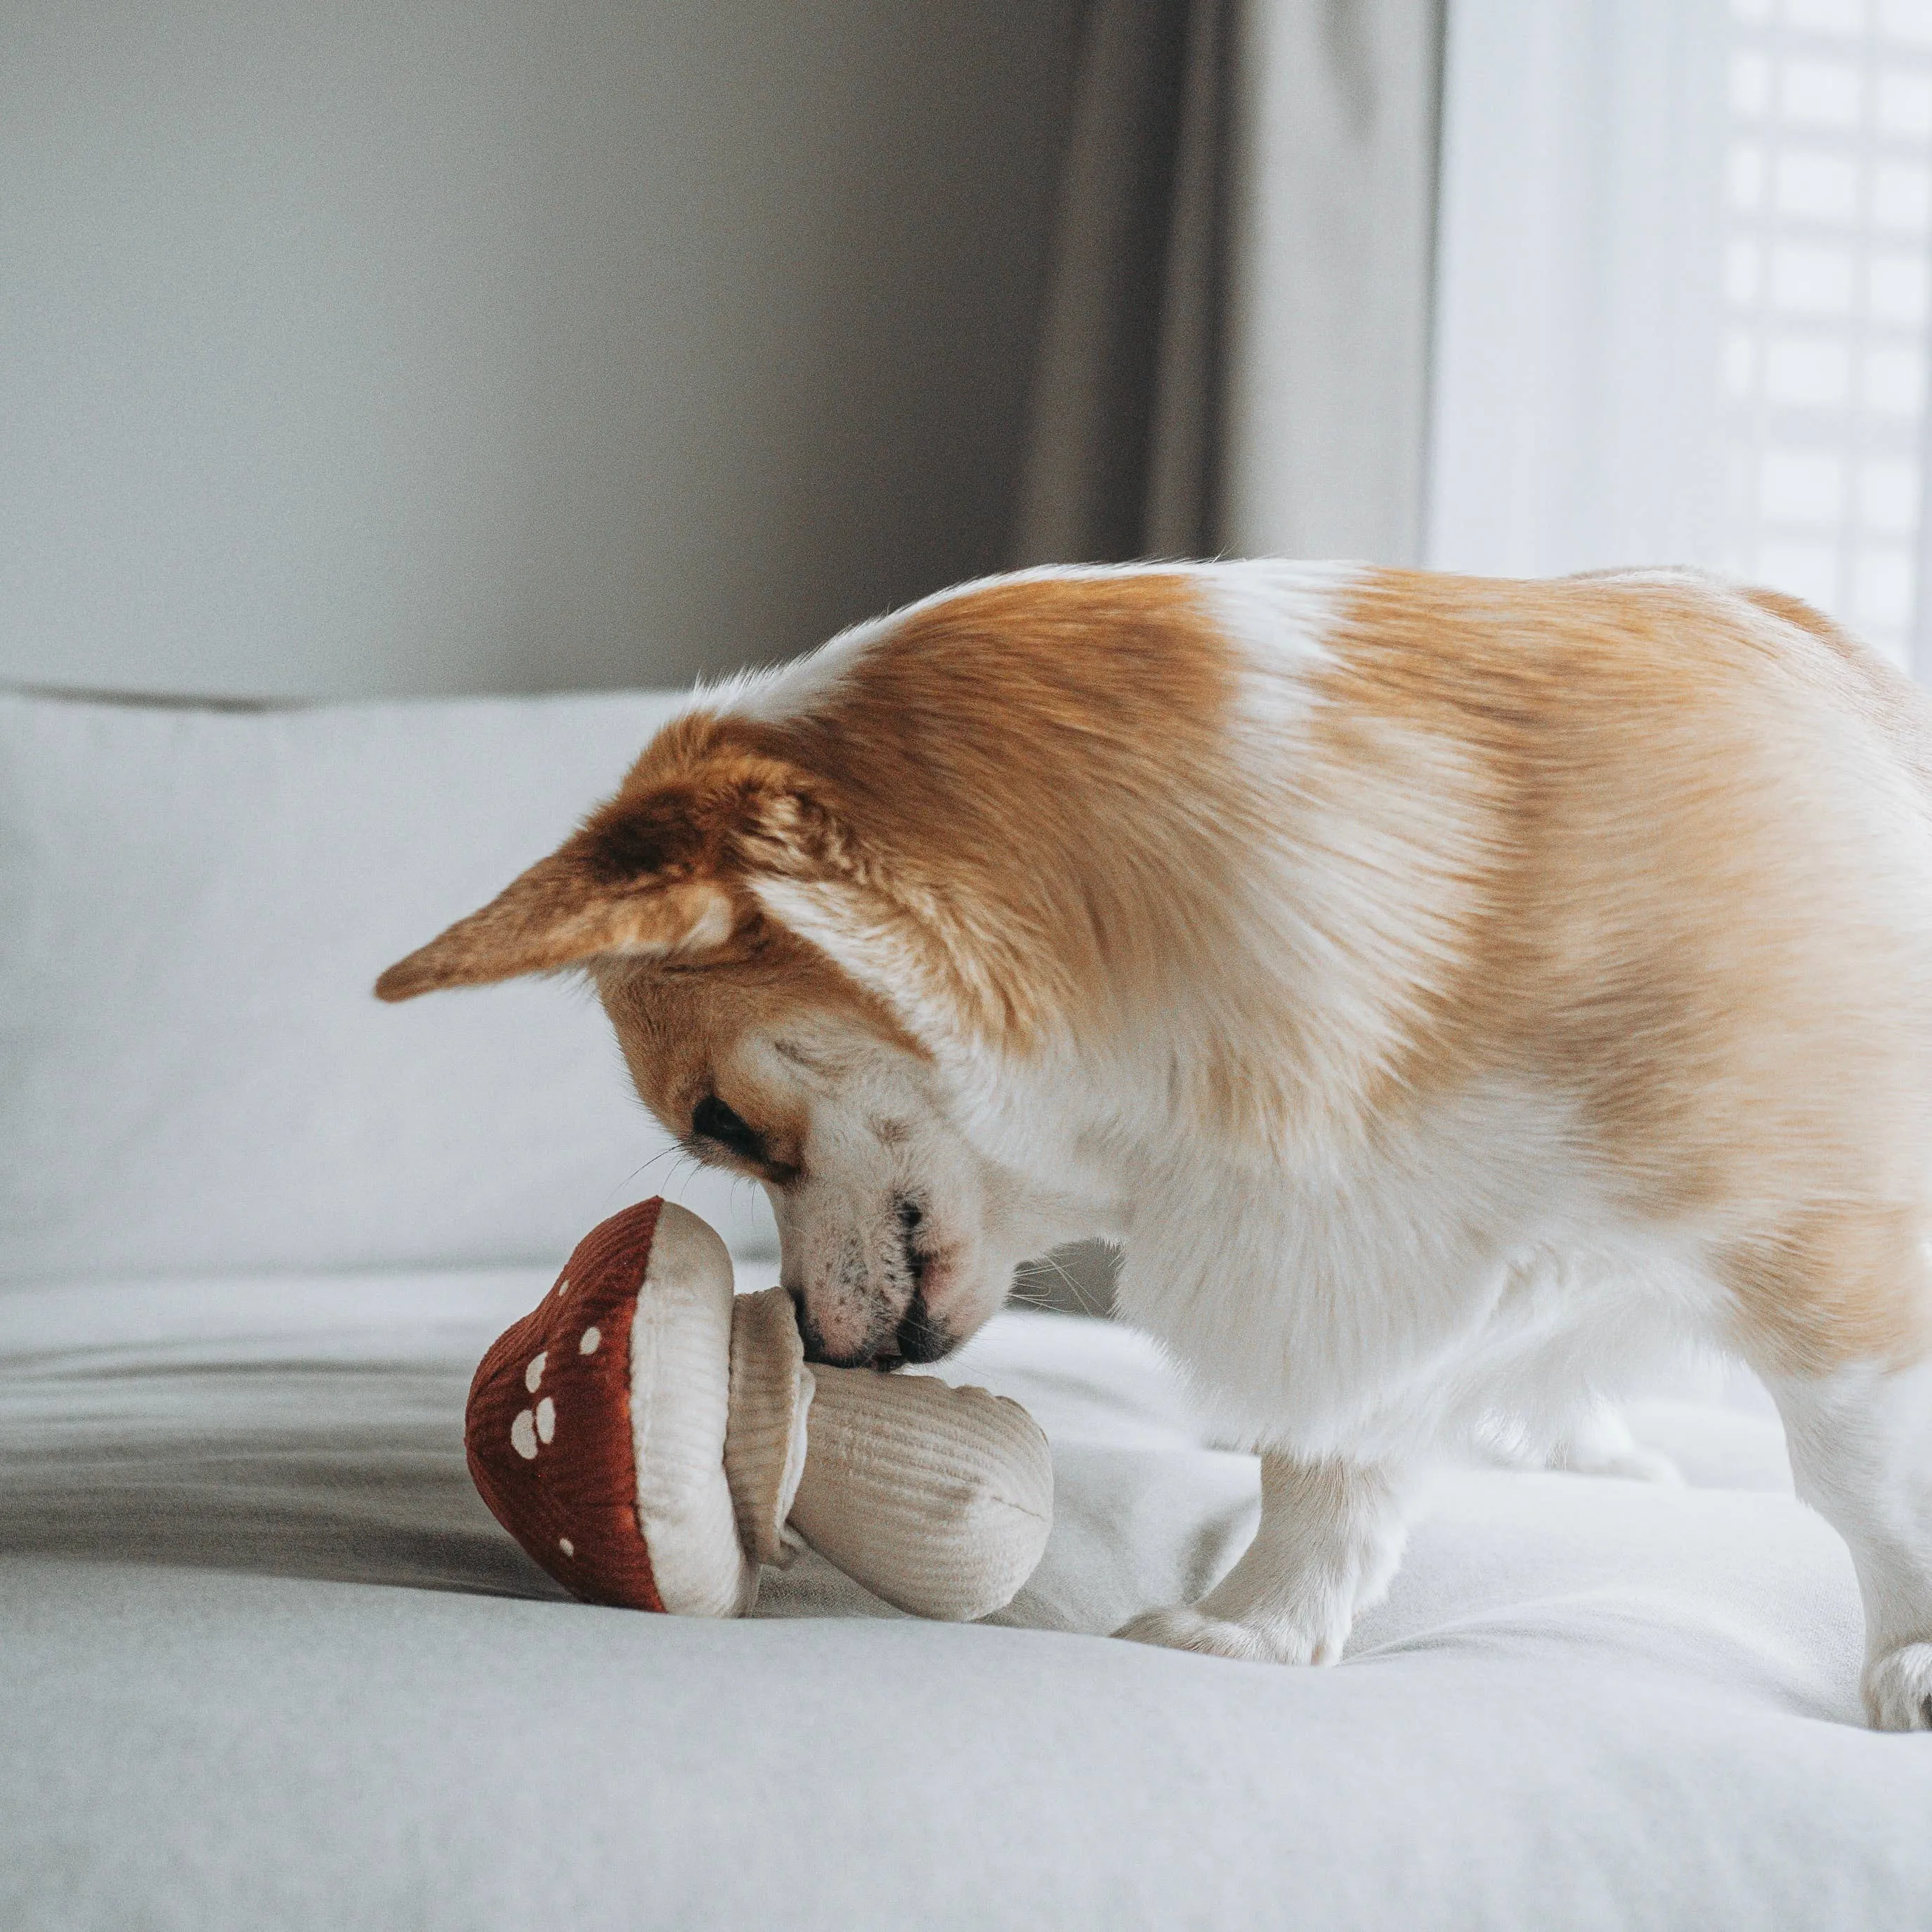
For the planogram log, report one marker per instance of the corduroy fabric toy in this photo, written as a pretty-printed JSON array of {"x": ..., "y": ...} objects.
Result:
[{"x": 651, "y": 1438}]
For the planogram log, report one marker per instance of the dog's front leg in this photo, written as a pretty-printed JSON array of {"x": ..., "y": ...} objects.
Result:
[{"x": 1330, "y": 1536}]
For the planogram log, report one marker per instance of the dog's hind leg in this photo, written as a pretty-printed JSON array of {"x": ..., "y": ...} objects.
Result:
[
  {"x": 1330, "y": 1539},
  {"x": 1861, "y": 1445}
]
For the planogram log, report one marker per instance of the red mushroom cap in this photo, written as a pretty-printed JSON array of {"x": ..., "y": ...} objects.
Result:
[
  {"x": 596, "y": 1426},
  {"x": 547, "y": 1431}
]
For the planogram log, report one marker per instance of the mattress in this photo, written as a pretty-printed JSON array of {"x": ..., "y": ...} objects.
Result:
[{"x": 265, "y": 1661}]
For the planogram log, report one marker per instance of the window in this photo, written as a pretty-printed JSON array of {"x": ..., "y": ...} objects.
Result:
[{"x": 1686, "y": 254}]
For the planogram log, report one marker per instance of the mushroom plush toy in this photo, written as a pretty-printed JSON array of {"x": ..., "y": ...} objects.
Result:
[{"x": 651, "y": 1438}]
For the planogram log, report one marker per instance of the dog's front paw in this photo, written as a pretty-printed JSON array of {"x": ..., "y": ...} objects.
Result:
[
  {"x": 1183, "y": 1627},
  {"x": 1898, "y": 1688}
]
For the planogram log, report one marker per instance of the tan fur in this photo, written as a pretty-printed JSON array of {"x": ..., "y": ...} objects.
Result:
[
  {"x": 1029, "y": 784},
  {"x": 984, "y": 759},
  {"x": 958, "y": 788},
  {"x": 1649, "y": 922}
]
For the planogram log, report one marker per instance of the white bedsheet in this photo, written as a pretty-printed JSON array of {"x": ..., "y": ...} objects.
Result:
[{"x": 265, "y": 1661}]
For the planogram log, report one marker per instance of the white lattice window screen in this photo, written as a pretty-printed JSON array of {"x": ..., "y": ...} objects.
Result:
[
  {"x": 1827, "y": 214},
  {"x": 1684, "y": 297}
]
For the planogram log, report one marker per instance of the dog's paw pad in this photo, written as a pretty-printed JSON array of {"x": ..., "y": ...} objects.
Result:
[
  {"x": 1182, "y": 1627},
  {"x": 1898, "y": 1688}
]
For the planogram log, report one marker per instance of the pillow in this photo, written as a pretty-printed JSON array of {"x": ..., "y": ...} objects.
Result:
[{"x": 194, "y": 1076}]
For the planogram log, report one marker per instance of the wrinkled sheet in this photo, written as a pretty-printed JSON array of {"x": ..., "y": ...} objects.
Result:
[{"x": 265, "y": 1661}]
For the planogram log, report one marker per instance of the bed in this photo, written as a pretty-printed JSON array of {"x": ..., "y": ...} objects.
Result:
[{"x": 265, "y": 1660}]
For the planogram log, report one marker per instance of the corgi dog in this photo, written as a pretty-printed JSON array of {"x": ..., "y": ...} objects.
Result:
[{"x": 1448, "y": 993}]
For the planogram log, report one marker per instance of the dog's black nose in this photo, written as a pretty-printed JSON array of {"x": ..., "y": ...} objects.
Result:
[
  {"x": 918, "y": 1338},
  {"x": 921, "y": 1338}
]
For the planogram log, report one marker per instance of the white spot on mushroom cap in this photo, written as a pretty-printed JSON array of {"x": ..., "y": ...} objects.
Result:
[
  {"x": 563, "y": 1286},
  {"x": 564, "y": 1543},
  {"x": 587, "y": 1345},
  {"x": 534, "y": 1373},
  {"x": 524, "y": 1435},
  {"x": 546, "y": 1419}
]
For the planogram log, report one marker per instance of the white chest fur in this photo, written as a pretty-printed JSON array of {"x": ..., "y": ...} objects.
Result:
[{"x": 1390, "y": 1300}]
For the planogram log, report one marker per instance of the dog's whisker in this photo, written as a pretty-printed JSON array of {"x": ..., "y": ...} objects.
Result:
[
  {"x": 1087, "y": 1303},
  {"x": 1044, "y": 1298},
  {"x": 636, "y": 1174}
]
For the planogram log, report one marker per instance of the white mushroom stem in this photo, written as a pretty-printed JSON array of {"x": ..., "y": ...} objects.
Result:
[
  {"x": 765, "y": 1427},
  {"x": 937, "y": 1499}
]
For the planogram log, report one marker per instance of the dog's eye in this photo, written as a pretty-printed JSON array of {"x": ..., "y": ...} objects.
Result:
[{"x": 717, "y": 1122}]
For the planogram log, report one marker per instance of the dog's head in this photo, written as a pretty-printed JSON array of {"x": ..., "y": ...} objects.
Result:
[{"x": 755, "y": 1049}]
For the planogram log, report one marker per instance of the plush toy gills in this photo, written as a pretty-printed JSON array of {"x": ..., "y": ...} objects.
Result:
[{"x": 650, "y": 1438}]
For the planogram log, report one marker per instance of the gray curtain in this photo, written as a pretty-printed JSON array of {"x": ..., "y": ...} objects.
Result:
[
  {"x": 1234, "y": 355},
  {"x": 1234, "y": 349}
]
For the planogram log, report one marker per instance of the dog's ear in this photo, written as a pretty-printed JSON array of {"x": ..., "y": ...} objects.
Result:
[
  {"x": 662, "y": 872},
  {"x": 559, "y": 913}
]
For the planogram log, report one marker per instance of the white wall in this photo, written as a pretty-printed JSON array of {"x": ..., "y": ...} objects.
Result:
[{"x": 370, "y": 347}]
